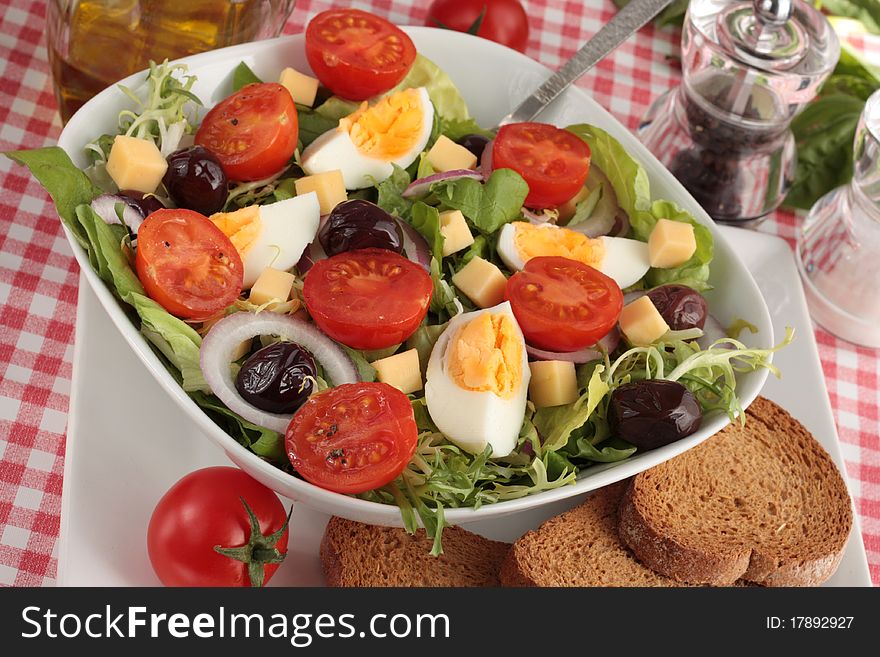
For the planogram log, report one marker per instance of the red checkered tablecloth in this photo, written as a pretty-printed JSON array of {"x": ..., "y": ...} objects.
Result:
[{"x": 38, "y": 274}]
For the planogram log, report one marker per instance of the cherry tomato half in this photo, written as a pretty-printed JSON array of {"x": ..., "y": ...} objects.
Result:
[
  {"x": 562, "y": 304},
  {"x": 502, "y": 21},
  {"x": 368, "y": 299},
  {"x": 553, "y": 162},
  {"x": 187, "y": 265},
  {"x": 352, "y": 438},
  {"x": 253, "y": 132},
  {"x": 357, "y": 55},
  {"x": 203, "y": 510}
]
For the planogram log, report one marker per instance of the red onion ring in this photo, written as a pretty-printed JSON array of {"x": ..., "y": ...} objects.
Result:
[
  {"x": 597, "y": 225},
  {"x": 219, "y": 345},
  {"x": 608, "y": 344},
  {"x": 414, "y": 245},
  {"x": 422, "y": 186},
  {"x": 621, "y": 225},
  {"x": 105, "y": 207}
]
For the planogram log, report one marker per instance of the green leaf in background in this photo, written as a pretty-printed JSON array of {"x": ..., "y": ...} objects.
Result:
[
  {"x": 672, "y": 15},
  {"x": 243, "y": 76},
  {"x": 264, "y": 442},
  {"x": 446, "y": 97},
  {"x": 824, "y": 134},
  {"x": 312, "y": 124},
  {"x": 695, "y": 272},
  {"x": 391, "y": 193},
  {"x": 455, "y": 129},
  {"x": 556, "y": 423},
  {"x": 488, "y": 206},
  {"x": 867, "y": 12},
  {"x": 366, "y": 371},
  {"x": 426, "y": 220},
  {"x": 423, "y": 341},
  {"x": 66, "y": 184}
]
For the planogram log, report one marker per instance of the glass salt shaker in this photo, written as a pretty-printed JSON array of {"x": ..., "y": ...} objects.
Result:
[
  {"x": 838, "y": 248},
  {"x": 748, "y": 66}
]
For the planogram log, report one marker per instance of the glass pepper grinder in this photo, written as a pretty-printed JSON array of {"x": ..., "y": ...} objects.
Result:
[
  {"x": 838, "y": 247},
  {"x": 748, "y": 66}
]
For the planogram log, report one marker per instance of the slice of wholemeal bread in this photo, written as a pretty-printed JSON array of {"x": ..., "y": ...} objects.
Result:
[
  {"x": 763, "y": 502},
  {"x": 356, "y": 554},
  {"x": 580, "y": 547}
]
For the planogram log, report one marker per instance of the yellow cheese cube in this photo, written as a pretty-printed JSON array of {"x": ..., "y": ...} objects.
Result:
[
  {"x": 446, "y": 155},
  {"x": 136, "y": 164},
  {"x": 671, "y": 243},
  {"x": 553, "y": 383},
  {"x": 455, "y": 231},
  {"x": 401, "y": 371},
  {"x": 303, "y": 88},
  {"x": 329, "y": 187},
  {"x": 642, "y": 323},
  {"x": 567, "y": 209},
  {"x": 481, "y": 282},
  {"x": 271, "y": 285},
  {"x": 242, "y": 349}
]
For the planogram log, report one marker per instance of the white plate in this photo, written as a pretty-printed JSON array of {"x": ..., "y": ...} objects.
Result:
[
  {"x": 502, "y": 78},
  {"x": 127, "y": 443}
]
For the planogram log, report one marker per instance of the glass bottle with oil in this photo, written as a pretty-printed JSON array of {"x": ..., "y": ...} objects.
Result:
[{"x": 94, "y": 43}]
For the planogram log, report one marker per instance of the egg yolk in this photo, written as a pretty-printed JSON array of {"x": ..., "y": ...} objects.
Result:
[
  {"x": 242, "y": 227},
  {"x": 388, "y": 129},
  {"x": 486, "y": 356},
  {"x": 533, "y": 241}
]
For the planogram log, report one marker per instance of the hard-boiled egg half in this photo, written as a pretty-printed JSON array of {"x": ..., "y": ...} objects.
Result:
[
  {"x": 273, "y": 235},
  {"x": 622, "y": 259},
  {"x": 369, "y": 142},
  {"x": 478, "y": 379}
]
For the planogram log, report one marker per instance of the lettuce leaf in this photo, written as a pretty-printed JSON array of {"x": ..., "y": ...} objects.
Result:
[
  {"x": 264, "y": 442},
  {"x": 426, "y": 219},
  {"x": 243, "y": 76},
  {"x": 487, "y": 205},
  {"x": 391, "y": 193},
  {"x": 695, "y": 272},
  {"x": 556, "y": 423}
]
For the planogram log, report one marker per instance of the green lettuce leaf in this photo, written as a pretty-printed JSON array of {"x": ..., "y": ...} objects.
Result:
[
  {"x": 264, "y": 442},
  {"x": 423, "y": 341},
  {"x": 67, "y": 185},
  {"x": 447, "y": 99},
  {"x": 243, "y": 76},
  {"x": 487, "y": 205},
  {"x": 866, "y": 12},
  {"x": 695, "y": 272},
  {"x": 426, "y": 219},
  {"x": 611, "y": 450},
  {"x": 366, "y": 371},
  {"x": 313, "y": 124},
  {"x": 556, "y": 423},
  {"x": 391, "y": 193},
  {"x": 455, "y": 129}
]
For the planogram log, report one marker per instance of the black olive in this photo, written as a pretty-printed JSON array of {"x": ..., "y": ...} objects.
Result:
[
  {"x": 276, "y": 378},
  {"x": 146, "y": 204},
  {"x": 195, "y": 180},
  {"x": 680, "y": 306},
  {"x": 476, "y": 144},
  {"x": 359, "y": 224},
  {"x": 653, "y": 413}
]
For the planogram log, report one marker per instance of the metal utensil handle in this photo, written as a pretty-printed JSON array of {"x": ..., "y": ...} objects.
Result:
[{"x": 625, "y": 23}]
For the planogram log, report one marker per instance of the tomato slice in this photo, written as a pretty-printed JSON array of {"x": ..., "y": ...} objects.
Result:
[
  {"x": 352, "y": 438},
  {"x": 368, "y": 299},
  {"x": 562, "y": 304},
  {"x": 187, "y": 265},
  {"x": 357, "y": 55},
  {"x": 253, "y": 132},
  {"x": 554, "y": 162}
]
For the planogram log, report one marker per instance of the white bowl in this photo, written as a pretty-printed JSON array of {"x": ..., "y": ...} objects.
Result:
[{"x": 493, "y": 79}]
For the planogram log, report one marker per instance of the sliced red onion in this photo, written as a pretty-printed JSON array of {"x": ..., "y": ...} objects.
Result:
[
  {"x": 311, "y": 254},
  {"x": 608, "y": 344},
  {"x": 713, "y": 331},
  {"x": 219, "y": 345},
  {"x": 621, "y": 225},
  {"x": 414, "y": 245},
  {"x": 534, "y": 217},
  {"x": 486, "y": 160},
  {"x": 600, "y": 223},
  {"x": 422, "y": 186},
  {"x": 105, "y": 207}
]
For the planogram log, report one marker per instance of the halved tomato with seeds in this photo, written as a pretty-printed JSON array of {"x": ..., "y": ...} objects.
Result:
[
  {"x": 352, "y": 438},
  {"x": 356, "y": 54},
  {"x": 368, "y": 299}
]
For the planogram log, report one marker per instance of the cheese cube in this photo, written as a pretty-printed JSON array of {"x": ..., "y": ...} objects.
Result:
[
  {"x": 271, "y": 285},
  {"x": 641, "y": 322},
  {"x": 401, "y": 371},
  {"x": 481, "y": 282},
  {"x": 303, "y": 88},
  {"x": 242, "y": 349},
  {"x": 136, "y": 164},
  {"x": 329, "y": 187},
  {"x": 446, "y": 155},
  {"x": 671, "y": 243},
  {"x": 553, "y": 383},
  {"x": 567, "y": 209},
  {"x": 455, "y": 231}
]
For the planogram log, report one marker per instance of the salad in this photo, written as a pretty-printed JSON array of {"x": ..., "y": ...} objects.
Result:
[{"x": 372, "y": 292}]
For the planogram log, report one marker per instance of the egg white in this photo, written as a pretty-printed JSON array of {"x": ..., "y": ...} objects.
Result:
[
  {"x": 286, "y": 229},
  {"x": 626, "y": 261},
  {"x": 469, "y": 418},
  {"x": 335, "y": 150}
]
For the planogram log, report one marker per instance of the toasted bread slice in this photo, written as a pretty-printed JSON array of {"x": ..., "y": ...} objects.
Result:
[
  {"x": 763, "y": 502},
  {"x": 356, "y": 554},
  {"x": 579, "y": 548}
]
